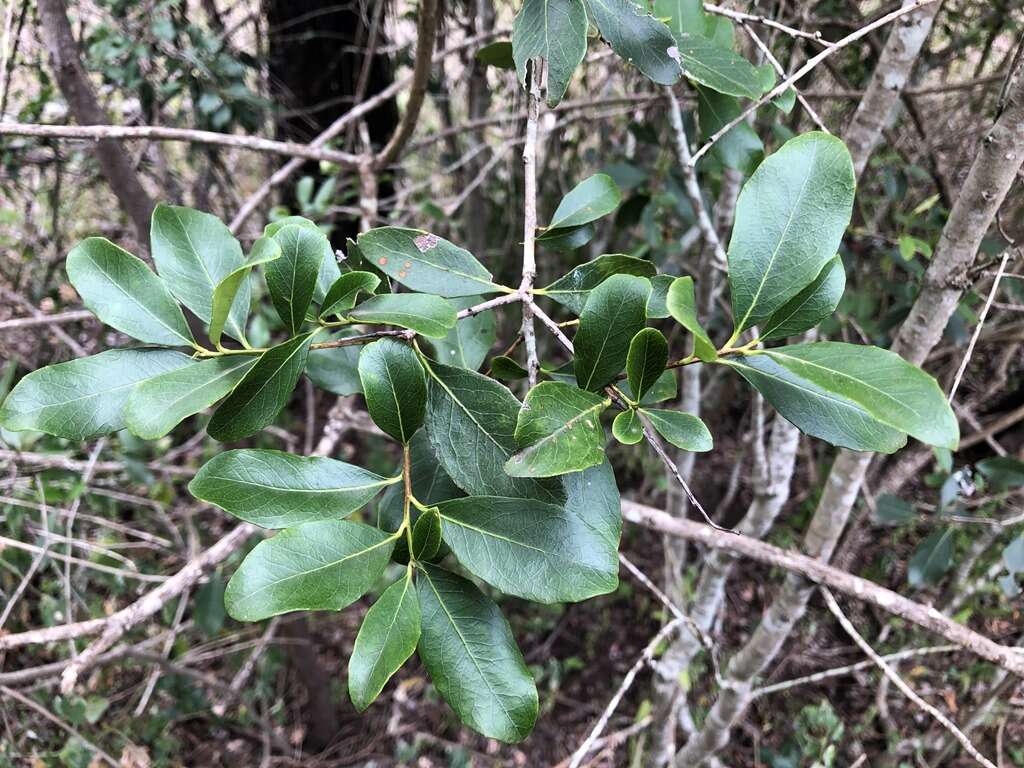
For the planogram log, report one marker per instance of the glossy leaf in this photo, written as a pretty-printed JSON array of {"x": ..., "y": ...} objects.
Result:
[
  {"x": 507, "y": 369},
  {"x": 468, "y": 343},
  {"x": 646, "y": 360},
  {"x": 627, "y": 428},
  {"x": 273, "y": 489},
  {"x": 386, "y": 639},
  {"x": 573, "y": 289},
  {"x": 556, "y": 31},
  {"x": 790, "y": 218},
  {"x": 329, "y": 271},
  {"x": 471, "y": 422},
  {"x": 809, "y": 307},
  {"x": 394, "y": 387},
  {"x": 682, "y": 16},
  {"x": 706, "y": 62},
  {"x": 336, "y": 369},
  {"x": 682, "y": 305},
  {"x": 665, "y": 388},
  {"x": 291, "y": 279},
  {"x": 530, "y": 549},
  {"x": 468, "y": 649},
  {"x": 567, "y": 239},
  {"x": 931, "y": 560},
  {"x": 84, "y": 398},
  {"x": 740, "y": 148},
  {"x": 588, "y": 201},
  {"x": 157, "y": 405},
  {"x": 497, "y": 54},
  {"x": 558, "y": 430},
  {"x": 638, "y": 38},
  {"x": 262, "y": 393},
  {"x": 425, "y": 262},
  {"x": 346, "y": 289},
  {"x": 193, "y": 252},
  {"x": 322, "y": 566},
  {"x": 426, "y": 535},
  {"x": 683, "y": 430},
  {"x": 263, "y": 250},
  {"x": 858, "y": 397},
  {"x": 125, "y": 294},
  {"x": 428, "y": 315},
  {"x": 612, "y": 316},
  {"x": 657, "y": 306}
]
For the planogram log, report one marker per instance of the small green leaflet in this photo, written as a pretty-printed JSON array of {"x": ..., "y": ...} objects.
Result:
[
  {"x": 588, "y": 201},
  {"x": 638, "y": 38},
  {"x": 291, "y": 279},
  {"x": 125, "y": 294},
  {"x": 497, "y": 54},
  {"x": 682, "y": 305},
  {"x": 614, "y": 313},
  {"x": 567, "y": 239},
  {"x": 84, "y": 398},
  {"x": 809, "y": 307},
  {"x": 717, "y": 67},
  {"x": 683, "y": 430},
  {"x": 273, "y": 489},
  {"x": 657, "y": 308},
  {"x": 336, "y": 369},
  {"x": 386, "y": 639},
  {"x": 468, "y": 649},
  {"x": 426, "y": 535},
  {"x": 537, "y": 551},
  {"x": 558, "y": 431},
  {"x": 262, "y": 393},
  {"x": 346, "y": 289},
  {"x": 322, "y": 566},
  {"x": 425, "y": 262},
  {"x": 394, "y": 387},
  {"x": 740, "y": 147},
  {"x": 556, "y": 31},
  {"x": 329, "y": 271},
  {"x": 931, "y": 560},
  {"x": 627, "y": 428},
  {"x": 193, "y": 252},
  {"x": 468, "y": 343},
  {"x": 507, "y": 369},
  {"x": 263, "y": 250},
  {"x": 157, "y": 405},
  {"x": 853, "y": 396},
  {"x": 572, "y": 289},
  {"x": 790, "y": 218},
  {"x": 423, "y": 313},
  {"x": 645, "y": 361}
]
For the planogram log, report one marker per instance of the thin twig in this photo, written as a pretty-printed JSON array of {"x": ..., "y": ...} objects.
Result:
[{"x": 534, "y": 95}]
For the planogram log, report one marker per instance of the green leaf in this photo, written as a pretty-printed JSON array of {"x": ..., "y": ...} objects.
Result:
[
  {"x": 425, "y": 262},
  {"x": 291, "y": 279},
  {"x": 740, "y": 148},
  {"x": 468, "y": 343},
  {"x": 530, "y": 549},
  {"x": 638, "y": 38},
  {"x": 588, "y": 201},
  {"x": 683, "y": 430},
  {"x": 262, "y": 393},
  {"x": 430, "y": 484},
  {"x": 157, "y": 405},
  {"x": 471, "y": 422},
  {"x": 125, "y": 294},
  {"x": 428, "y": 315},
  {"x": 468, "y": 649},
  {"x": 559, "y": 431},
  {"x": 790, "y": 218},
  {"x": 682, "y": 305},
  {"x": 809, "y": 307},
  {"x": 892, "y": 510},
  {"x": 706, "y": 62},
  {"x": 208, "y": 612},
  {"x": 612, "y": 316},
  {"x": 556, "y": 31},
  {"x": 1013, "y": 555},
  {"x": 426, "y": 535},
  {"x": 858, "y": 397},
  {"x": 646, "y": 360},
  {"x": 568, "y": 239},
  {"x": 322, "y": 566},
  {"x": 346, "y": 289},
  {"x": 263, "y": 250},
  {"x": 657, "y": 304},
  {"x": 573, "y": 289},
  {"x": 84, "y": 398},
  {"x": 329, "y": 271},
  {"x": 336, "y": 369},
  {"x": 394, "y": 386},
  {"x": 1002, "y": 472},
  {"x": 194, "y": 251},
  {"x": 627, "y": 427},
  {"x": 278, "y": 490},
  {"x": 386, "y": 640},
  {"x": 683, "y": 16},
  {"x": 507, "y": 369},
  {"x": 931, "y": 560},
  {"x": 497, "y": 54}
]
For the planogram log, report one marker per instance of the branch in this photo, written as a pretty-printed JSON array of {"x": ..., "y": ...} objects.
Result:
[
  {"x": 72, "y": 316},
  {"x": 187, "y": 135},
  {"x": 1008, "y": 658},
  {"x": 533, "y": 99}
]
